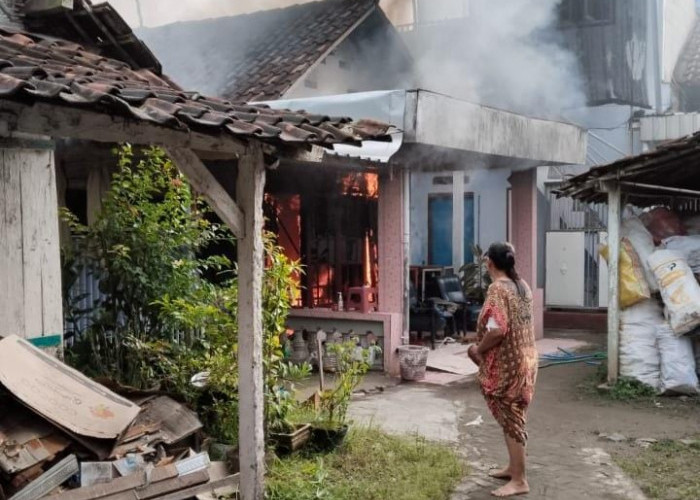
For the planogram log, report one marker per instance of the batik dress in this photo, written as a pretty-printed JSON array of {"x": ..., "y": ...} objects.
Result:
[{"x": 509, "y": 370}]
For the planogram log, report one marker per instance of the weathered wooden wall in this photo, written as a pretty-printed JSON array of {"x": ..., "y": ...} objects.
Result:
[{"x": 30, "y": 269}]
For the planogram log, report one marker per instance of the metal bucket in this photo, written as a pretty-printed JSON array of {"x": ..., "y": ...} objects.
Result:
[{"x": 412, "y": 361}]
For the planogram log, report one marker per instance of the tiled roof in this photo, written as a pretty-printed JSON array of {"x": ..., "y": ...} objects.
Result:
[
  {"x": 36, "y": 68},
  {"x": 253, "y": 57},
  {"x": 99, "y": 26}
]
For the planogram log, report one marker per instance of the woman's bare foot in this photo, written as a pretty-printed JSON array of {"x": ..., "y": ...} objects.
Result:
[
  {"x": 511, "y": 489},
  {"x": 501, "y": 474}
]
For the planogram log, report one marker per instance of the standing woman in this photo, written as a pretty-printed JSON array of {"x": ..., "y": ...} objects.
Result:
[{"x": 507, "y": 359}]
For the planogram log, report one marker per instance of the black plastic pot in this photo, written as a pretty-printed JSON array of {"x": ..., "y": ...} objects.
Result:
[{"x": 328, "y": 439}]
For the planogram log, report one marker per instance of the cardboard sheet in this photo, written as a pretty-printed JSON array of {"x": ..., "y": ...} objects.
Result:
[{"x": 61, "y": 394}]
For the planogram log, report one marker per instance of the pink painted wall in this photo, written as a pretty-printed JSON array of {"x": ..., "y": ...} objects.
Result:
[
  {"x": 391, "y": 263},
  {"x": 524, "y": 237}
]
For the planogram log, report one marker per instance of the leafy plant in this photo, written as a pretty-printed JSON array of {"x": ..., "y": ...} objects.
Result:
[
  {"x": 353, "y": 364},
  {"x": 629, "y": 389},
  {"x": 475, "y": 276},
  {"x": 144, "y": 246},
  {"x": 162, "y": 321},
  {"x": 281, "y": 403}
]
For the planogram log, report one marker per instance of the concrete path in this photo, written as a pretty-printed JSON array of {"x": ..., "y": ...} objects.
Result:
[{"x": 567, "y": 460}]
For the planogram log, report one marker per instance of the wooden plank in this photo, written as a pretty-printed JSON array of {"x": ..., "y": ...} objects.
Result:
[
  {"x": 12, "y": 284},
  {"x": 66, "y": 122},
  {"x": 118, "y": 485},
  {"x": 210, "y": 487},
  {"x": 162, "y": 487},
  {"x": 204, "y": 182},
  {"x": 250, "y": 186},
  {"x": 43, "y": 308},
  {"x": 52, "y": 287},
  {"x": 33, "y": 205}
]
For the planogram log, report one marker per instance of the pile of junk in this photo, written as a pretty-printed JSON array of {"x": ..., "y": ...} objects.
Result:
[
  {"x": 660, "y": 300},
  {"x": 64, "y": 436}
]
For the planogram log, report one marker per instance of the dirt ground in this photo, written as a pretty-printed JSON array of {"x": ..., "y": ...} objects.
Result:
[{"x": 568, "y": 457}]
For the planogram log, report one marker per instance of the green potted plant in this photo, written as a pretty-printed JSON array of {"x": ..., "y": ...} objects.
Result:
[
  {"x": 285, "y": 435},
  {"x": 331, "y": 426},
  {"x": 475, "y": 281}
]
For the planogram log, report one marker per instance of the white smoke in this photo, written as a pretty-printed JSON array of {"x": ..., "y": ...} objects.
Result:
[
  {"x": 505, "y": 54},
  {"x": 159, "y": 12}
]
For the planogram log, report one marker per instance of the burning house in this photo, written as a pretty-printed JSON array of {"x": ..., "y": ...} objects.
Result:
[{"x": 372, "y": 220}]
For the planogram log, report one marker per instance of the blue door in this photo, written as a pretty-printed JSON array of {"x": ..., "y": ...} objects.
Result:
[
  {"x": 468, "y": 228},
  {"x": 440, "y": 230}
]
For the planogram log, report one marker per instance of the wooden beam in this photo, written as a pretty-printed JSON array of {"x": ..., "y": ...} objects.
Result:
[
  {"x": 211, "y": 487},
  {"x": 250, "y": 190},
  {"x": 205, "y": 182},
  {"x": 614, "y": 211},
  {"x": 73, "y": 123}
]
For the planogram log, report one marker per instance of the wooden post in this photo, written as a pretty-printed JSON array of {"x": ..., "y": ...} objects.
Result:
[
  {"x": 614, "y": 210},
  {"x": 250, "y": 189},
  {"x": 321, "y": 337}
]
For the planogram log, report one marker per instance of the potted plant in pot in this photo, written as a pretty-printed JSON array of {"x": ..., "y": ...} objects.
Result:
[
  {"x": 330, "y": 427},
  {"x": 285, "y": 435},
  {"x": 475, "y": 281}
]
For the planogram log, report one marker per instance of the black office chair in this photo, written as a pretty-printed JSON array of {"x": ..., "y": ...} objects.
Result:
[
  {"x": 430, "y": 316},
  {"x": 450, "y": 288}
]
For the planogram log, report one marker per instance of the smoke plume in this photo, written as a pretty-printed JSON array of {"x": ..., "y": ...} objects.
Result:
[
  {"x": 505, "y": 53},
  {"x": 159, "y": 12}
]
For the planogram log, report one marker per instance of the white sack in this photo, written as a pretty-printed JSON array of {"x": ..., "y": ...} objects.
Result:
[
  {"x": 679, "y": 289},
  {"x": 677, "y": 362},
  {"x": 643, "y": 243},
  {"x": 639, "y": 355},
  {"x": 696, "y": 347},
  {"x": 689, "y": 246}
]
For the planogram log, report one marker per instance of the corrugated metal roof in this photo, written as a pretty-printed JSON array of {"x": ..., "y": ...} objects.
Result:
[{"x": 674, "y": 165}]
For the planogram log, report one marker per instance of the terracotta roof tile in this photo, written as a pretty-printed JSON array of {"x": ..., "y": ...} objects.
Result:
[
  {"x": 255, "y": 56},
  {"x": 33, "y": 68}
]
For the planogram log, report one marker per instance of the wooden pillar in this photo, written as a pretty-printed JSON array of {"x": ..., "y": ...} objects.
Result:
[
  {"x": 31, "y": 304},
  {"x": 98, "y": 182},
  {"x": 250, "y": 190},
  {"x": 614, "y": 211}
]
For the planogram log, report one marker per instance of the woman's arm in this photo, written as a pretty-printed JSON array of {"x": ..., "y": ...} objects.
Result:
[{"x": 492, "y": 338}]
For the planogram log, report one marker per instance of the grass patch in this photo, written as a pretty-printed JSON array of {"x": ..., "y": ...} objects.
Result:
[
  {"x": 667, "y": 470},
  {"x": 370, "y": 465},
  {"x": 626, "y": 389}
]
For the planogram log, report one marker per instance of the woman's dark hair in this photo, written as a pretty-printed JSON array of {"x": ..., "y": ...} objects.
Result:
[{"x": 503, "y": 257}]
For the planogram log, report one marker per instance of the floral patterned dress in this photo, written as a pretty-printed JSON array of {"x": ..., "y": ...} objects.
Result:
[{"x": 509, "y": 370}]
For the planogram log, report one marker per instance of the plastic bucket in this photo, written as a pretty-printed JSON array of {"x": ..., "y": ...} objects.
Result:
[{"x": 412, "y": 361}]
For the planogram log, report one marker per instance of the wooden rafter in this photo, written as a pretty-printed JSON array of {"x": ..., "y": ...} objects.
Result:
[{"x": 204, "y": 182}]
